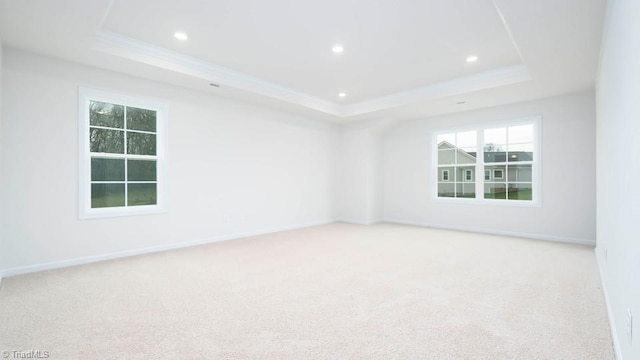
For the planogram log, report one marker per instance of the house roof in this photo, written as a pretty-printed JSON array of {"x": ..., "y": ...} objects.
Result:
[{"x": 491, "y": 156}]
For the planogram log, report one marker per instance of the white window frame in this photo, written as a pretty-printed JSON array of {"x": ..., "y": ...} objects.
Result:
[
  {"x": 496, "y": 177},
  {"x": 85, "y": 95},
  {"x": 487, "y": 172},
  {"x": 536, "y": 165},
  {"x": 445, "y": 171}
]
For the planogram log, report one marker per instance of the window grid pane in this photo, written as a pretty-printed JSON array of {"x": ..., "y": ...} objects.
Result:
[
  {"x": 106, "y": 169},
  {"x": 106, "y": 115},
  {"x": 141, "y": 119},
  {"x": 141, "y": 170},
  {"x": 142, "y": 194},
  {"x": 141, "y": 143},
  {"x": 107, "y": 195},
  {"x": 106, "y": 140}
]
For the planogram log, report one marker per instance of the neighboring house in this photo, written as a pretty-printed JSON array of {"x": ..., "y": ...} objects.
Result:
[
  {"x": 451, "y": 154},
  {"x": 501, "y": 156},
  {"x": 460, "y": 175}
]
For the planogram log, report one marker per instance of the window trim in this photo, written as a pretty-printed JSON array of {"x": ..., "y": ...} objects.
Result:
[
  {"x": 536, "y": 164},
  {"x": 464, "y": 176},
  {"x": 446, "y": 171},
  {"x": 501, "y": 177},
  {"x": 85, "y": 95}
]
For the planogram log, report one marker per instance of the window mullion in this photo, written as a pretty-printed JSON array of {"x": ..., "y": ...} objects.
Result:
[
  {"x": 480, "y": 165},
  {"x": 455, "y": 167},
  {"x": 142, "y": 132},
  {"x": 106, "y": 155},
  {"x": 126, "y": 162},
  {"x": 141, "y": 157},
  {"x": 505, "y": 176}
]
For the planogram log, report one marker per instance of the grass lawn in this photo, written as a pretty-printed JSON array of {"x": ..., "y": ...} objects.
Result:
[
  {"x": 514, "y": 194},
  {"x": 522, "y": 194}
]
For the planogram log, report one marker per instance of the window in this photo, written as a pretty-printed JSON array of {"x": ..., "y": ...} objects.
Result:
[
  {"x": 468, "y": 175},
  {"x": 445, "y": 175},
  {"x": 121, "y": 155},
  {"x": 506, "y": 153}
]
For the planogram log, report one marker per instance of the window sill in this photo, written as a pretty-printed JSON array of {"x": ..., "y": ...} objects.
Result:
[
  {"x": 88, "y": 214},
  {"x": 489, "y": 202}
]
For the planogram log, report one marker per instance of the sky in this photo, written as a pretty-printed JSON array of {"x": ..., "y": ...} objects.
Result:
[{"x": 519, "y": 138}]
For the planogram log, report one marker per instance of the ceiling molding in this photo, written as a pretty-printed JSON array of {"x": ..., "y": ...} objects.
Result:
[
  {"x": 139, "y": 51},
  {"x": 415, "y": 69},
  {"x": 508, "y": 30},
  {"x": 135, "y": 50},
  {"x": 486, "y": 80}
]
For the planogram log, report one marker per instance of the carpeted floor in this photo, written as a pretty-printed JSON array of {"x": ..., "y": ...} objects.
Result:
[{"x": 337, "y": 291}]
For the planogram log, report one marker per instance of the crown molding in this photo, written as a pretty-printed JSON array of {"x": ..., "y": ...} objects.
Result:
[
  {"x": 135, "y": 50},
  {"x": 489, "y": 79},
  {"x": 132, "y": 49}
]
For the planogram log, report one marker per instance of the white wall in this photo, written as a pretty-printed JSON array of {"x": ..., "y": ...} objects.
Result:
[
  {"x": 618, "y": 152},
  {"x": 3, "y": 250},
  {"x": 233, "y": 168},
  {"x": 359, "y": 189},
  {"x": 568, "y": 173}
]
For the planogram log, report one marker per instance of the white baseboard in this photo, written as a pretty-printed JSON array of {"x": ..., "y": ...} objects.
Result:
[
  {"x": 358, "y": 221},
  {"x": 612, "y": 321},
  {"x": 121, "y": 254},
  {"x": 147, "y": 250},
  {"x": 495, "y": 232}
]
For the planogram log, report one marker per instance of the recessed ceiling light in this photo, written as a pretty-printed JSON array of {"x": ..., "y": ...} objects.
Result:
[
  {"x": 472, "y": 58},
  {"x": 180, "y": 35},
  {"x": 342, "y": 94},
  {"x": 461, "y": 102},
  {"x": 337, "y": 48},
  {"x": 214, "y": 85}
]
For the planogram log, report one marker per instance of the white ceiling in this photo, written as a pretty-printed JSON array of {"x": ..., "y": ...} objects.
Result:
[{"x": 402, "y": 58}]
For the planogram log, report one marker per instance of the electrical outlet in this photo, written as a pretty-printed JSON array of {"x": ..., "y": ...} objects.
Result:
[{"x": 629, "y": 325}]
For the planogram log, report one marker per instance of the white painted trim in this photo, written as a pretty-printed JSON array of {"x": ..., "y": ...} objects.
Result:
[
  {"x": 186, "y": 244},
  {"x": 148, "y": 250},
  {"x": 358, "y": 221},
  {"x": 464, "y": 176},
  {"x": 139, "y": 51},
  {"x": 132, "y": 49},
  {"x": 553, "y": 238},
  {"x": 445, "y": 171},
  {"x": 486, "y": 80},
  {"x": 85, "y": 95},
  {"x": 612, "y": 323}
]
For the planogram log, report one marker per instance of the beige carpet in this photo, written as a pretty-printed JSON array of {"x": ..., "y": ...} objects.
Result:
[{"x": 338, "y": 291}]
